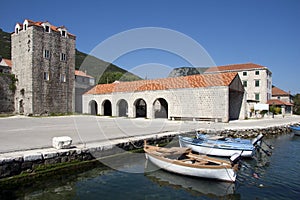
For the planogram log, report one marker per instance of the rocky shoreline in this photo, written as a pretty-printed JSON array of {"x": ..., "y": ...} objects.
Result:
[{"x": 251, "y": 133}]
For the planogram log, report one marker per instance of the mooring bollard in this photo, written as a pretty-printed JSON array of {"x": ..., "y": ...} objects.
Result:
[{"x": 62, "y": 142}]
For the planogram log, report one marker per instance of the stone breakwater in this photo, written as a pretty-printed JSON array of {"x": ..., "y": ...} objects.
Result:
[
  {"x": 250, "y": 133},
  {"x": 16, "y": 163}
]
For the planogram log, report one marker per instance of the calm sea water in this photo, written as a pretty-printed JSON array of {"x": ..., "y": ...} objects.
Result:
[{"x": 132, "y": 177}]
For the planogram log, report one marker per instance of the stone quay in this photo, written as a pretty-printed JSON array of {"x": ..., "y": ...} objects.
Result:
[{"x": 27, "y": 142}]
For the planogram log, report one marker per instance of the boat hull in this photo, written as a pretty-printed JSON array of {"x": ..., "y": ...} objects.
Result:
[
  {"x": 296, "y": 130},
  {"x": 223, "y": 174},
  {"x": 214, "y": 150},
  {"x": 216, "y": 189}
]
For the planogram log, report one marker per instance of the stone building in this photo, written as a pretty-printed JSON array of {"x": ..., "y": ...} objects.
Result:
[
  {"x": 217, "y": 97},
  {"x": 281, "y": 99},
  {"x": 6, "y": 86},
  {"x": 256, "y": 79},
  {"x": 83, "y": 82},
  {"x": 5, "y": 65},
  {"x": 43, "y": 59}
]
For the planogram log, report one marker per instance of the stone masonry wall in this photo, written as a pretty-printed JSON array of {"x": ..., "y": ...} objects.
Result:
[
  {"x": 53, "y": 95},
  {"x": 22, "y": 51},
  {"x": 35, "y": 94},
  {"x": 31, "y": 160},
  {"x": 6, "y": 94},
  {"x": 204, "y": 103}
]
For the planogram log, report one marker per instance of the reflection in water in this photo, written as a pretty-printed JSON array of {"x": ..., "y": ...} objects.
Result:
[
  {"x": 127, "y": 177},
  {"x": 126, "y": 162},
  {"x": 59, "y": 186},
  {"x": 198, "y": 186}
]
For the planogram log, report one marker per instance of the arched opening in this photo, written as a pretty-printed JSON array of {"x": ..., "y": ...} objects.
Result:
[
  {"x": 93, "y": 107},
  {"x": 123, "y": 108},
  {"x": 107, "y": 108},
  {"x": 160, "y": 107},
  {"x": 140, "y": 108}
]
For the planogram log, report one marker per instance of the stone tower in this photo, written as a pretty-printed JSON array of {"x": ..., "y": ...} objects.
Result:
[{"x": 43, "y": 58}]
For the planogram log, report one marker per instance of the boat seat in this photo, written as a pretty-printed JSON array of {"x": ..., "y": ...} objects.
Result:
[
  {"x": 174, "y": 150},
  {"x": 196, "y": 157},
  {"x": 202, "y": 162},
  {"x": 216, "y": 137}
]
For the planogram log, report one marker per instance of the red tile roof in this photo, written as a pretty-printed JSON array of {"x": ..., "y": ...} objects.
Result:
[
  {"x": 234, "y": 67},
  {"x": 39, "y": 23},
  {"x": 194, "y": 81},
  {"x": 81, "y": 73},
  {"x": 7, "y": 62},
  {"x": 278, "y": 92},
  {"x": 278, "y": 102}
]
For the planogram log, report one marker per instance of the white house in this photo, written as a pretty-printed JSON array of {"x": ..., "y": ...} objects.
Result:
[{"x": 256, "y": 79}]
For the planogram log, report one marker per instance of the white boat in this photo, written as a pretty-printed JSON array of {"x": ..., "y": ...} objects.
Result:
[
  {"x": 196, "y": 186},
  {"x": 220, "y": 146},
  {"x": 183, "y": 161}
]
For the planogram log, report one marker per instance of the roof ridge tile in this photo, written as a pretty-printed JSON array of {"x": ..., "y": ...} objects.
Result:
[{"x": 193, "y": 81}]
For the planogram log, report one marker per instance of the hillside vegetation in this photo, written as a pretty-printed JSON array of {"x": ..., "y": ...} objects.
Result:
[
  {"x": 186, "y": 71},
  {"x": 104, "y": 72},
  {"x": 5, "y": 44}
]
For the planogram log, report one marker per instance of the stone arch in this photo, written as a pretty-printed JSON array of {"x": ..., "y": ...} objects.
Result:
[
  {"x": 122, "y": 107},
  {"x": 93, "y": 107},
  {"x": 106, "y": 106},
  {"x": 140, "y": 108},
  {"x": 160, "y": 108}
]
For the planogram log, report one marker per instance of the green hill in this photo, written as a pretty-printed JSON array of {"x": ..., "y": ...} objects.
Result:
[
  {"x": 186, "y": 71},
  {"x": 5, "y": 44},
  {"x": 103, "y": 71}
]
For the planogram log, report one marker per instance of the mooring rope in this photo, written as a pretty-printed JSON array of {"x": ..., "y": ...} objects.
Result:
[{"x": 135, "y": 146}]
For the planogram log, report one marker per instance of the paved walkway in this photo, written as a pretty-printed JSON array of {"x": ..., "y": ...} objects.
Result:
[{"x": 21, "y": 133}]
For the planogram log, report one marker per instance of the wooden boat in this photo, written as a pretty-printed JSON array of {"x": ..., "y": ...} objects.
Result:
[
  {"x": 220, "y": 146},
  {"x": 295, "y": 129},
  {"x": 183, "y": 161},
  {"x": 196, "y": 186}
]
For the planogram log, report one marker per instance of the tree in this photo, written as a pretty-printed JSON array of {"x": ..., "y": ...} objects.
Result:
[
  {"x": 296, "y": 109},
  {"x": 110, "y": 77},
  {"x": 275, "y": 109}
]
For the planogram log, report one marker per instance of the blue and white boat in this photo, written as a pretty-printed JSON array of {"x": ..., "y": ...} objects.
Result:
[
  {"x": 295, "y": 129},
  {"x": 220, "y": 146}
]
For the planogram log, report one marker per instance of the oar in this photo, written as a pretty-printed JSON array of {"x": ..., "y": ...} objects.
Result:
[
  {"x": 260, "y": 138},
  {"x": 265, "y": 151},
  {"x": 235, "y": 158},
  {"x": 257, "y": 139},
  {"x": 254, "y": 174},
  {"x": 268, "y": 145}
]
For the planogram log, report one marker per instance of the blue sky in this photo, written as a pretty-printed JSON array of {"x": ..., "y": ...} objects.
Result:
[{"x": 266, "y": 32}]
